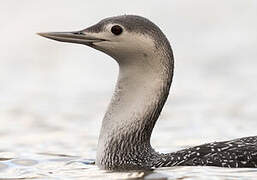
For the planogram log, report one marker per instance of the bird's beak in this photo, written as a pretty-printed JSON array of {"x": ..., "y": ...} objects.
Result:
[{"x": 72, "y": 37}]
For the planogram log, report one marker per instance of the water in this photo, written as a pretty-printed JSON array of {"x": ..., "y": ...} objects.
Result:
[{"x": 53, "y": 95}]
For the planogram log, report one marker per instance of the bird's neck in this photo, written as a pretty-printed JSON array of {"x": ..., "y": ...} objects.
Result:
[{"x": 140, "y": 94}]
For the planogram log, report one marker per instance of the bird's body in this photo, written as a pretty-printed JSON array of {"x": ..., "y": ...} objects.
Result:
[
  {"x": 146, "y": 66},
  {"x": 234, "y": 153}
]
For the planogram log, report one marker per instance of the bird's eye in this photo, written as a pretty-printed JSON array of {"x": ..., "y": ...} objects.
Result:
[{"x": 117, "y": 30}]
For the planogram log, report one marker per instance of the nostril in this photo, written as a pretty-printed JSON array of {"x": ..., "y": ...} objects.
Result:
[{"x": 78, "y": 33}]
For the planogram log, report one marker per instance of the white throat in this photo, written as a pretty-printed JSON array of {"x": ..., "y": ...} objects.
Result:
[{"x": 140, "y": 93}]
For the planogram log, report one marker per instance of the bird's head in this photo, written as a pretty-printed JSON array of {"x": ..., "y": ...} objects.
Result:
[{"x": 122, "y": 37}]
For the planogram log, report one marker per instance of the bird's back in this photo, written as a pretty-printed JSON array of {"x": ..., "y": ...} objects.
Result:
[{"x": 237, "y": 153}]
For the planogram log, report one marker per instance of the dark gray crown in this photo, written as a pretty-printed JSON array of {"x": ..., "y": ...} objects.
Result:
[{"x": 133, "y": 23}]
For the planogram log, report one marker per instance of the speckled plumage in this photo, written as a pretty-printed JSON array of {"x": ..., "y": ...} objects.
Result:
[{"x": 232, "y": 154}]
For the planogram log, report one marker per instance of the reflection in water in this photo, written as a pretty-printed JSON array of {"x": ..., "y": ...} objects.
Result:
[
  {"x": 3, "y": 166},
  {"x": 24, "y": 162},
  {"x": 53, "y": 166}
]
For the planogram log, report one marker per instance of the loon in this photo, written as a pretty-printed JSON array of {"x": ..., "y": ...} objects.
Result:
[{"x": 146, "y": 64}]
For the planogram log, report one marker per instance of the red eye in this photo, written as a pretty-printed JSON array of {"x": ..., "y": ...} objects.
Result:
[{"x": 117, "y": 30}]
